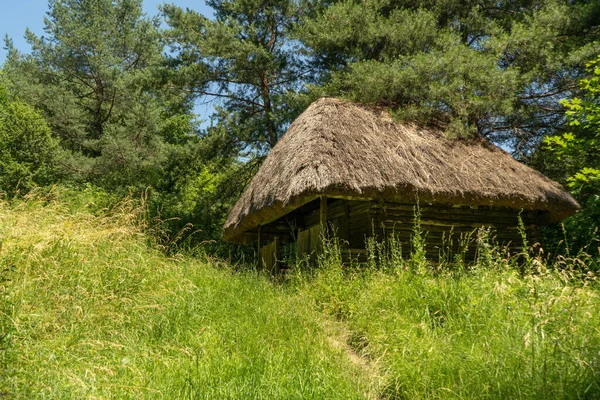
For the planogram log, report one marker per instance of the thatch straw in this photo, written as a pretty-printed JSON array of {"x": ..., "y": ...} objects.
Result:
[{"x": 341, "y": 149}]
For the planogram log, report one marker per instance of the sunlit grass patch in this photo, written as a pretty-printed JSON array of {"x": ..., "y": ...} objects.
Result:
[
  {"x": 499, "y": 328},
  {"x": 90, "y": 311}
]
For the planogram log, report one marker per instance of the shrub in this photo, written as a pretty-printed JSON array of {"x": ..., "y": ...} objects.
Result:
[{"x": 28, "y": 152}]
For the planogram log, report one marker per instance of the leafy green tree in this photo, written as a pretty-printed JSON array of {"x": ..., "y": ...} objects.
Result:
[
  {"x": 92, "y": 74},
  {"x": 573, "y": 158},
  {"x": 490, "y": 68},
  {"x": 245, "y": 59},
  {"x": 578, "y": 152},
  {"x": 28, "y": 152}
]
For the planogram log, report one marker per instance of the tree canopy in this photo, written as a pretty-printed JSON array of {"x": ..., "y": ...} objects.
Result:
[
  {"x": 247, "y": 59},
  {"x": 492, "y": 68},
  {"x": 92, "y": 74}
]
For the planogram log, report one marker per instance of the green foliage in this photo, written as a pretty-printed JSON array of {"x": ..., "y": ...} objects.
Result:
[
  {"x": 98, "y": 76},
  {"x": 93, "y": 76},
  {"x": 192, "y": 207},
  {"x": 495, "y": 70},
  {"x": 28, "y": 152},
  {"x": 245, "y": 59},
  {"x": 573, "y": 158},
  {"x": 578, "y": 152},
  {"x": 577, "y": 235}
]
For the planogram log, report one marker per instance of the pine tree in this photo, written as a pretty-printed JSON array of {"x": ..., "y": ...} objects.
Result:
[
  {"x": 245, "y": 59},
  {"x": 92, "y": 74},
  {"x": 492, "y": 68}
]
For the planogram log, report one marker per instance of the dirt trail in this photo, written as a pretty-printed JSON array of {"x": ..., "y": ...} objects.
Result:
[{"x": 338, "y": 337}]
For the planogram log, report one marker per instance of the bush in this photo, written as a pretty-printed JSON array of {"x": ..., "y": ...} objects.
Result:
[{"x": 28, "y": 152}]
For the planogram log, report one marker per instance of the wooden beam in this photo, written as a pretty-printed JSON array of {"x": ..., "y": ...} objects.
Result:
[
  {"x": 259, "y": 241},
  {"x": 275, "y": 262},
  {"x": 323, "y": 211}
]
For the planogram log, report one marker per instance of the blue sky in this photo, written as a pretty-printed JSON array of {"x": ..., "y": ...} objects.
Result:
[{"x": 17, "y": 15}]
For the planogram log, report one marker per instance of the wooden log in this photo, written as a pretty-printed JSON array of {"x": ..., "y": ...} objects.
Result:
[
  {"x": 486, "y": 212},
  {"x": 510, "y": 219}
]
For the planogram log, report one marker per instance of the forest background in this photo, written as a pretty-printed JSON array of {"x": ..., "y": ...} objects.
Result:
[{"x": 107, "y": 98}]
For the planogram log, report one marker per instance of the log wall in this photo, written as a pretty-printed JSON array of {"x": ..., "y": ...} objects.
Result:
[{"x": 446, "y": 229}]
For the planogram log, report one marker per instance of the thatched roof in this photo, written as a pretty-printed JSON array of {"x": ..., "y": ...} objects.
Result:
[{"x": 342, "y": 149}]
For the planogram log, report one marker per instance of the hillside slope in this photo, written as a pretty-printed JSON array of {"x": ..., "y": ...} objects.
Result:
[{"x": 90, "y": 311}]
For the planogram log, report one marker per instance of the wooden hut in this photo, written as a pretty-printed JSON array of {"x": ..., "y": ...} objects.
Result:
[{"x": 353, "y": 168}]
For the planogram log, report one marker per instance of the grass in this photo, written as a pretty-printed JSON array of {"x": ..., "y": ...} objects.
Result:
[
  {"x": 485, "y": 334},
  {"x": 91, "y": 309}
]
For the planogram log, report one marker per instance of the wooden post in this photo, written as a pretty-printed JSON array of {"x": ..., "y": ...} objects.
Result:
[
  {"x": 345, "y": 228},
  {"x": 322, "y": 231},
  {"x": 260, "y": 262},
  {"x": 323, "y": 212},
  {"x": 274, "y": 263}
]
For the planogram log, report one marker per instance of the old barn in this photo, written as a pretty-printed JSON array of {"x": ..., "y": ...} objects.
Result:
[{"x": 354, "y": 169}]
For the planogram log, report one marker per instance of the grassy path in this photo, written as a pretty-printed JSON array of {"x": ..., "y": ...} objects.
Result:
[{"x": 338, "y": 337}]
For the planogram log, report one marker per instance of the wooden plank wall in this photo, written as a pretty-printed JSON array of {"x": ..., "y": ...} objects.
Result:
[
  {"x": 309, "y": 241},
  {"x": 267, "y": 256},
  {"x": 445, "y": 228}
]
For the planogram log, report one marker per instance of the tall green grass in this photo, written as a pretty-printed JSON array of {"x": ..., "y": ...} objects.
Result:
[
  {"x": 501, "y": 328},
  {"x": 90, "y": 311},
  {"x": 90, "y": 308}
]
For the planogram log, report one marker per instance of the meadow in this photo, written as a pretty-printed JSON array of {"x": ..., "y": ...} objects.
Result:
[{"x": 92, "y": 306}]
